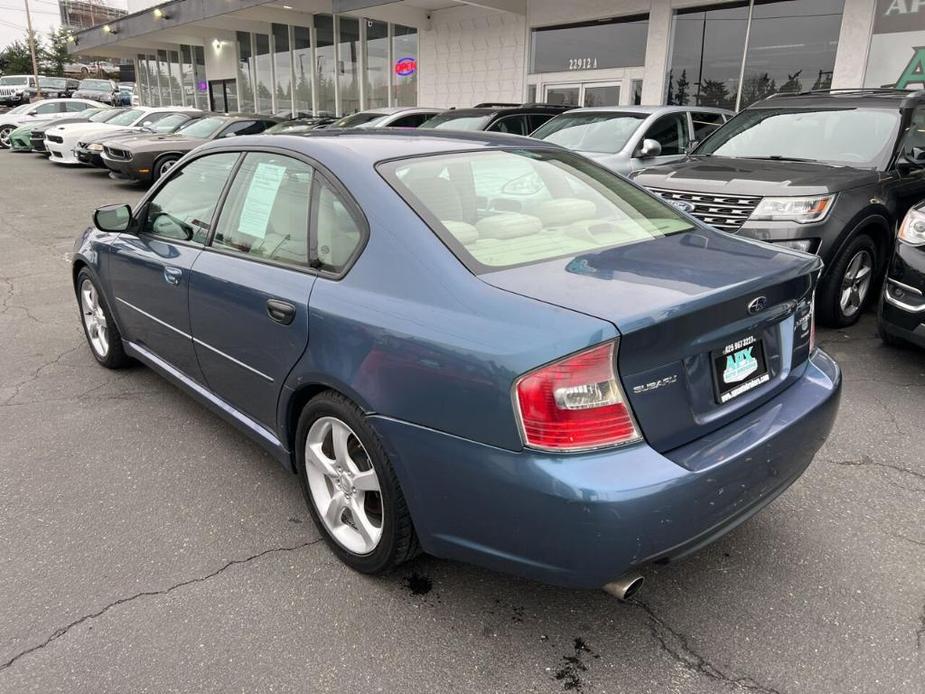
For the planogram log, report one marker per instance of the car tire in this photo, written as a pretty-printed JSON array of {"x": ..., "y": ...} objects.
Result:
[
  {"x": 848, "y": 285},
  {"x": 162, "y": 166},
  {"x": 5, "y": 131},
  {"x": 347, "y": 520},
  {"x": 101, "y": 331}
]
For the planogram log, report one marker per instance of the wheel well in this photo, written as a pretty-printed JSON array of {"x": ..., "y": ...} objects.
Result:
[
  {"x": 878, "y": 230},
  {"x": 296, "y": 403},
  {"x": 75, "y": 270}
]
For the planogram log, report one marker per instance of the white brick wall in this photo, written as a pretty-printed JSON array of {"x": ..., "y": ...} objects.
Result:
[{"x": 471, "y": 55}]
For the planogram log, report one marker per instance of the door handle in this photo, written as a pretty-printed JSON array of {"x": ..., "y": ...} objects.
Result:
[
  {"x": 173, "y": 275},
  {"x": 280, "y": 311}
]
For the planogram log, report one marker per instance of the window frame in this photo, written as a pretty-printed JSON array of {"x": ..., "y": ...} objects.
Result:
[
  {"x": 319, "y": 169},
  {"x": 685, "y": 119}
]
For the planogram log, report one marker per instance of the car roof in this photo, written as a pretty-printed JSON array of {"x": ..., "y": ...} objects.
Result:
[
  {"x": 377, "y": 144},
  {"x": 391, "y": 110},
  {"x": 646, "y": 110},
  {"x": 829, "y": 98},
  {"x": 491, "y": 109}
]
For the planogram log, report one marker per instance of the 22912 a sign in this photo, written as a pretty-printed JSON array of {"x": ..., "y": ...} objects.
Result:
[{"x": 582, "y": 63}]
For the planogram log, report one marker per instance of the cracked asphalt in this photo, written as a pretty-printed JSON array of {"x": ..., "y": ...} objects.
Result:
[{"x": 146, "y": 546}]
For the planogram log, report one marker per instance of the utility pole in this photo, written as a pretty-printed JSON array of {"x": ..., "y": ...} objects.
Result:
[{"x": 35, "y": 62}]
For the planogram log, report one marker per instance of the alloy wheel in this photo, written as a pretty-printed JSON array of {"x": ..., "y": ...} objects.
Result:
[
  {"x": 5, "y": 135},
  {"x": 344, "y": 486},
  {"x": 94, "y": 319},
  {"x": 856, "y": 282},
  {"x": 165, "y": 167}
]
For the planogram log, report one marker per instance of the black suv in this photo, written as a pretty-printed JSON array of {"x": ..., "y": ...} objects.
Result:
[
  {"x": 829, "y": 172},
  {"x": 517, "y": 119}
]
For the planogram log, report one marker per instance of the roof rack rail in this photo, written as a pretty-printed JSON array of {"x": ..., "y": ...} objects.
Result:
[
  {"x": 850, "y": 90},
  {"x": 495, "y": 104}
]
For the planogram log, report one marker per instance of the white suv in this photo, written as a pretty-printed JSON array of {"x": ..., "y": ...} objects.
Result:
[{"x": 17, "y": 89}]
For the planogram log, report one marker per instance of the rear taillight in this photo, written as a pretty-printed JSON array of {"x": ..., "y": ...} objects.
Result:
[{"x": 575, "y": 404}]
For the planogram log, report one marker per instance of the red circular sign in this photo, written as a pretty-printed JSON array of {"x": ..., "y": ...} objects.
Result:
[{"x": 405, "y": 67}]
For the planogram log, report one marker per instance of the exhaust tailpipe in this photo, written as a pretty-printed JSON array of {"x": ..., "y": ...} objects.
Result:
[{"x": 625, "y": 587}]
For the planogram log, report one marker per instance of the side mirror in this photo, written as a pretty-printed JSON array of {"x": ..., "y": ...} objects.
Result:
[
  {"x": 915, "y": 156},
  {"x": 112, "y": 218},
  {"x": 649, "y": 148}
]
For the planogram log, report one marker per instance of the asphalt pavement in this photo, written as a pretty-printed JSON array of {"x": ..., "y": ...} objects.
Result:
[{"x": 147, "y": 546}]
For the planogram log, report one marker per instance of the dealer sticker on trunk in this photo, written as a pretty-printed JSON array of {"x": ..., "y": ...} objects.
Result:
[{"x": 739, "y": 367}]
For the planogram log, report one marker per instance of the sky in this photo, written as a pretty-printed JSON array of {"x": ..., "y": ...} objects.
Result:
[{"x": 45, "y": 16}]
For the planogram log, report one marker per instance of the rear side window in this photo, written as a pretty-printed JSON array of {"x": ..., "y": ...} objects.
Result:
[
  {"x": 671, "y": 133},
  {"x": 504, "y": 208},
  {"x": 48, "y": 108},
  {"x": 266, "y": 213},
  {"x": 182, "y": 209},
  {"x": 338, "y": 233},
  {"x": 705, "y": 124},
  {"x": 412, "y": 121},
  {"x": 76, "y": 106}
]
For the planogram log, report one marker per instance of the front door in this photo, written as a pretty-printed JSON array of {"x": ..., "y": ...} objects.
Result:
[
  {"x": 150, "y": 267},
  {"x": 250, "y": 288}
]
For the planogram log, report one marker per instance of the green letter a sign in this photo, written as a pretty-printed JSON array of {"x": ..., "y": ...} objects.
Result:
[{"x": 915, "y": 70}]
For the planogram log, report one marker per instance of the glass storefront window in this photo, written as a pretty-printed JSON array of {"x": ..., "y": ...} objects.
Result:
[
  {"x": 163, "y": 79},
  {"x": 590, "y": 46},
  {"x": 377, "y": 64},
  {"x": 302, "y": 62},
  {"x": 707, "y": 56},
  {"x": 245, "y": 80},
  {"x": 282, "y": 64},
  {"x": 325, "y": 63},
  {"x": 349, "y": 64},
  {"x": 404, "y": 66},
  {"x": 176, "y": 79},
  {"x": 262, "y": 75},
  {"x": 186, "y": 71},
  {"x": 792, "y": 47},
  {"x": 199, "y": 77},
  {"x": 141, "y": 68}
]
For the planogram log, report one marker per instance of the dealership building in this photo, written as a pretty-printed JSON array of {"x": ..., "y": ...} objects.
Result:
[{"x": 340, "y": 56}]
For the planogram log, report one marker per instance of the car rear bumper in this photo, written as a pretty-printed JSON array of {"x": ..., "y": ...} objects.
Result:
[{"x": 584, "y": 520}]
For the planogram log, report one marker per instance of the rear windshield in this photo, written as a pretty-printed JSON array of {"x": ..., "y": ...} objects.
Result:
[
  {"x": 848, "y": 137},
  {"x": 450, "y": 121},
  {"x": 605, "y": 133},
  {"x": 503, "y": 208},
  {"x": 96, "y": 85},
  {"x": 356, "y": 119}
]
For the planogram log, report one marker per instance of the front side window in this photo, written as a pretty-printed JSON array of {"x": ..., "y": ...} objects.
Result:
[
  {"x": 202, "y": 128},
  {"x": 604, "y": 133},
  {"x": 266, "y": 213},
  {"x": 843, "y": 136},
  {"x": 671, "y": 133},
  {"x": 504, "y": 208},
  {"x": 182, "y": 209},
  {"x": 43, "y": 109},
  {"x": 168, "y": 123},
  {"x": 705, "y": 124},
  {"x": 76, "y": 106},
  {"x": 106, "y": 115},
  {"x": 915, "y": 135}
]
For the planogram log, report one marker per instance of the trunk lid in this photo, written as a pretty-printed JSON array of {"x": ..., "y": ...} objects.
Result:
[{"x": 678, "y": 302}]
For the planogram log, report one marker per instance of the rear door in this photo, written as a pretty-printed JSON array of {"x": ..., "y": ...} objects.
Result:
[
  {"x": 150, "y": 269},
  {"x": 250, "y": 288}
]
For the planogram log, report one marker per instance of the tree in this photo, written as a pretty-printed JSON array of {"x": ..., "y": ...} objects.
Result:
[
  {"x": 681, "y": 94},
  {"x": 55, "y": 55},
  {"x": 715, "y": 93},
  {"x": 793, "y": 83},
  {"x": 16, "y": 59}
]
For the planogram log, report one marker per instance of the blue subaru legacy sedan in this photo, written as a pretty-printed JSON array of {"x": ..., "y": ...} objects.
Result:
[{"x": 480, "y": 346}]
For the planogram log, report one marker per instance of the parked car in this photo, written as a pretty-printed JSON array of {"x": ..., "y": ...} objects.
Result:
[
  {"x": 517, "y": 119},
  {"x": 826, "y": 172},
  {"x": 128, "y": 93},
  {"x": 103, "y": 91},
  {"x": 57, "y": 87},
  {"x": 62, "y": 141},
  {"x": 17, "y": 89},
  {"x": 626, "y": 138},
  {"x": 147, "y": 158},
  {"x": 300, "y": 125},
  {"x": 395, "y": 117},
  {"x": 89, "y": 151},
  {"x": 566, "y": 393},
  {"x": 902, "y": 303},
  {"x": 50, "y": 109},
  {"x": 91, "y": 115}
]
